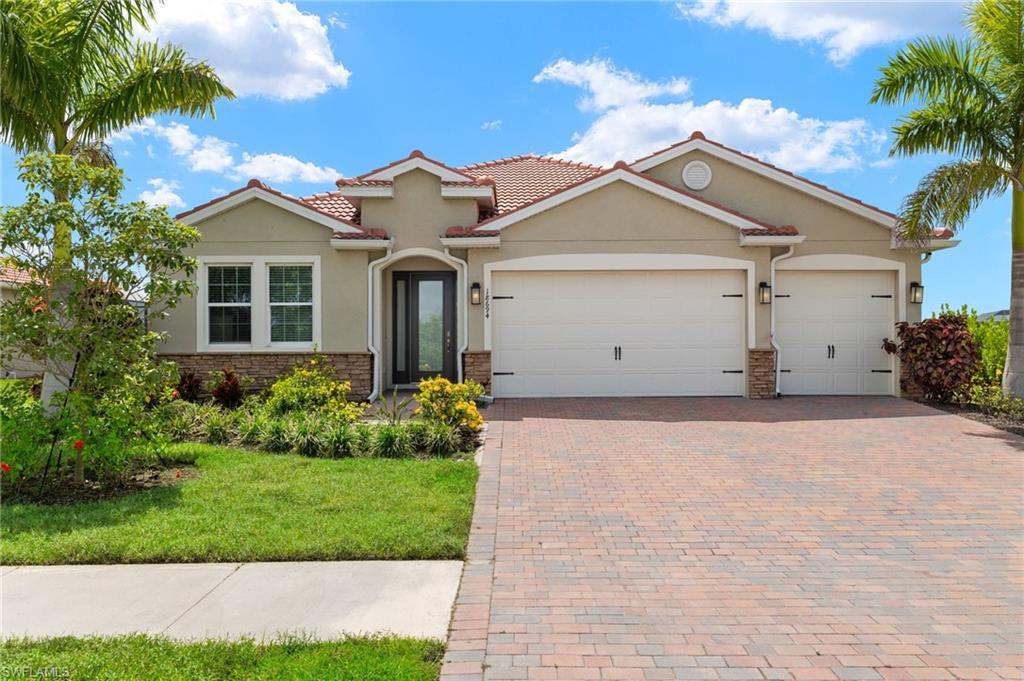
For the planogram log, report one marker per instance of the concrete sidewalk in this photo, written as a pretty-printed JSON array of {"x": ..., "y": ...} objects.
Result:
[{"x": 230, "y": 600}]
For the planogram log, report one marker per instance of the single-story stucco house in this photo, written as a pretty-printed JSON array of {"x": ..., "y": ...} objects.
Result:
[{"x": 697, "y": 270}]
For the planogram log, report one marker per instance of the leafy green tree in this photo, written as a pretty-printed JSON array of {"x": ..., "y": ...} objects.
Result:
[
  {"x": 971, "y": 97},
  {"x": 83, "y": 323},
  {"x": 71, "y": 74}
]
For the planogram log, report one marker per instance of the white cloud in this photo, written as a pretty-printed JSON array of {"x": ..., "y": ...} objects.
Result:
[
  {"x": 608, "y": 86},
  {"x": 776, "y": 134},
  {"x": 282, "y": 168},
  {"x": 335, "y": 21},
  {"x": 162, "y": 193},
  {"x": 883, "y": 163},
  {"x": 258, "y": 47},
  {"x": 213, "y": 154},
  {"x": 844, "y": 28},
  {"x": 491, "y": 125}
]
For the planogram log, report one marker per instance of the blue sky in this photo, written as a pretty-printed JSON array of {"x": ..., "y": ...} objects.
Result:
[{"x": 332, "y": 88}]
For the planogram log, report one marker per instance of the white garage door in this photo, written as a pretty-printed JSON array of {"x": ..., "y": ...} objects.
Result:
[
  {"x": 830, "y": 326},
  {"x": 597, "y": 333}
]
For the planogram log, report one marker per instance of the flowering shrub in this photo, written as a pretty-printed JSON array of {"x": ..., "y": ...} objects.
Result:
[
  {"x": 313, "y": 387},
  {"x": 938, "y": 354},
  {"x": 442, "y": 401}
]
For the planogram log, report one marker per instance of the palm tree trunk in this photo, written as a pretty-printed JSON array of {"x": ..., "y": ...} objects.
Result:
[{"x": 1013, "y": 376}]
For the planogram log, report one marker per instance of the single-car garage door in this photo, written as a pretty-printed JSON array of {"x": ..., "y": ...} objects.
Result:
[
  {"x": 609, "y": 333},
  {"x": 829, "y": 327}
]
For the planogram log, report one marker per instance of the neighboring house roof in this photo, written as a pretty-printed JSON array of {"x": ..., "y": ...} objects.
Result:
[
  {"x": 13, "y": 275},
  {"x": 997, "y": 316}
]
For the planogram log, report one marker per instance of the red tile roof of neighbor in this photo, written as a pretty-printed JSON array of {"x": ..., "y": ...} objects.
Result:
[{"x": 13, "y": 275}]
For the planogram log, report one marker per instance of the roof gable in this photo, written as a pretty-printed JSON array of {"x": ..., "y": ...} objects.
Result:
[
  {"x": 414, "y": 161},
  {"x": 697, "y": 141}
]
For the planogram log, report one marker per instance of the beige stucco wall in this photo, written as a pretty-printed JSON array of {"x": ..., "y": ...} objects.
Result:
[
  {"x": 258, "y": 228},
  {"x": 417, "y": 215},
  {"x": 16, "y": 366},
  {"x": 617, "y": 218},
  {"x": 828, "y": 228}
]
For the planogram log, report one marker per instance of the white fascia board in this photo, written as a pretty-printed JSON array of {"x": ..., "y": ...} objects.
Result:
[
  {"x": 255, "y": 193},
  {"x": 771, "y": 240},
  {"x": 926, "y": 247},
  {"x": 480, "y": 192},
  {"x": 361, "y": 244},
  {"x": 417, "y": 163},
  {"x": 471, "y": 242},
  {"x": 782, "y": 178},
  {"x": 630, "y": 178},
  {"x": 366, "y": 192}
]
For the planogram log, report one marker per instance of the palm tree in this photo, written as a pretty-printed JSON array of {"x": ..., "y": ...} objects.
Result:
[
  {"x": 71, "y": 74},
  {"x": 972, "y": 106}
]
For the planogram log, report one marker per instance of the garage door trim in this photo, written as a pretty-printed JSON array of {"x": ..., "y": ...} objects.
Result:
[{"x": 621, "y": 261}]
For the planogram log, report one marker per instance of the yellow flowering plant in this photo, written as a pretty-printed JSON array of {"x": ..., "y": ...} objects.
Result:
[{"x": 440, "y": 400}]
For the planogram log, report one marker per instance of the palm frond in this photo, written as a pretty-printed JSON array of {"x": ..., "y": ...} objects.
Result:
[
  {"x": 934, "y": 68},
  {"x": 962, "y": 128},
  {"x": 102, "y": 26},
  {"x": 97, "y": 154},
  {"x": 947, "y": 195},
  {"x": 20, "y": 127},
  {"x": 998, "y": 27},
  {"x": 152, "y": 79}
]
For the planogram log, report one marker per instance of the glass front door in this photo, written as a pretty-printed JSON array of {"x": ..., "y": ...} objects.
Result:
[{"x": 423, "y": 326}]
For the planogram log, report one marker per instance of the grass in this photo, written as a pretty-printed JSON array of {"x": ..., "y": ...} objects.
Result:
[
  {"x": 144, "y": 657},
  {"x": 251, "y": 506}
]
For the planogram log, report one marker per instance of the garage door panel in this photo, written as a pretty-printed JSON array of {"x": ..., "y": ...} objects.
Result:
[
  {"x": 676, "y": 331},
  {"x": 849, "y": 311}
]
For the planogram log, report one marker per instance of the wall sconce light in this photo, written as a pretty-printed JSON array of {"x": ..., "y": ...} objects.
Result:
[
  {"x": 916, "y": 293},
  {"x": 764, "y": 293},
  {"x": 474, "y": 293}
]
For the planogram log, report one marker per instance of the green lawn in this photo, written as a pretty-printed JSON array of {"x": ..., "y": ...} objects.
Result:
[
  {"x": 250, "y": 506},
  {"x": 144, "y": 658}
]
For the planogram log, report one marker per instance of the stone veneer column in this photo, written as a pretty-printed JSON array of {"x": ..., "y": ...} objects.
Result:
[
  {"x": 761, "y": 374},
  {"x": 263, "y": 367},
  {"x": 477, "y": 366}
]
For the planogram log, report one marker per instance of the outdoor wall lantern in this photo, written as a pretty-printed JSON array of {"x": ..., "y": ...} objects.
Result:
[
  {"x": 474, "y": 293},
  {"x": 916, "y": 293},
  {"x": 764, "y": 293}
]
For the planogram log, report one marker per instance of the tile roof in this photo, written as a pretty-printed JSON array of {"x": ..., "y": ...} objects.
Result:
[
  {"x": 944, "y": 233},
  {"x": 457, "y": 232},
  {"x": 415, "y": 153},
  {"x": 13, "y": 275},
  {"x": 333, "y": 203},
  {"x": 785, "y": 230},
  {"x": 520, "y": 180},
  {"x": 356, "y": 182},
  {"x": 366, "y": 233}
]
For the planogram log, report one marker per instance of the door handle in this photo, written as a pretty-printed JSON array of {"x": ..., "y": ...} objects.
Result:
[{"x": 447, "y": 341}]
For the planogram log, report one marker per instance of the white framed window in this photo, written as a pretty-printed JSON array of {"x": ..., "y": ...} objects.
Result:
[{"x": 258, "y": 303}]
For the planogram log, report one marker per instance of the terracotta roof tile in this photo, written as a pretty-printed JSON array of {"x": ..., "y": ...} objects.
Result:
[
  {"x": 520, "y": 180},
  {"x": 415, "y": 153},
  {"x": 944, "y": 233},
  {"x": 356, "y": 182},
  {"x": 364, "y": 234},
  {"x": 13, "y": 275},
  {"x": 785, "y": 230},
  {"x": 458, "y": 232},
  {"x": 333, "y": 203}
]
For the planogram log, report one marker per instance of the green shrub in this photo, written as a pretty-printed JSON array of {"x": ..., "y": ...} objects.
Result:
[
  {"x": 443, "y": 439},
  {"x": 419, "y": 432},
  {"x": 25, "y": 434},
  {"x": 991, "y": 400},
  {"x": 218, "y": 426},
  {"x": 250, "y": 428},
  {"x": 305, "y": 435},
  {"x": 313, "y": 387},
  {"x": 993, "y": 340},
  {"x": 391, "y": 441},
  {"x": 362, "y": 440},
  {"x": 338, "y": 439},
  {"x": 274, "y": 435},
  {"x": 441, "y": 400}
]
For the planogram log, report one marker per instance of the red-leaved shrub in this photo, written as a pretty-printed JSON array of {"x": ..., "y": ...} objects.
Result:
[
  {"x": 190, "y": 386},
  {"x": 939, "y": 355},
  {"x": 226, "y": 388}
]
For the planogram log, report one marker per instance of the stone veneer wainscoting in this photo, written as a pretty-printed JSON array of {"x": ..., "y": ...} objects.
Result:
[
  {"x": 263, "y": 367},
  {"x": 477, "y": 366},
  {"x": 761, "y": 374}
]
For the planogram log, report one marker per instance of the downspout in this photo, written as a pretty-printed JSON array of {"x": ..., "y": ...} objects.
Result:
[
  {"x": 775, "y": 345},
  {"x": 463, "y": 317},
  {"x": 925, "y": 258},
  {"x": 371, "y": 318}
]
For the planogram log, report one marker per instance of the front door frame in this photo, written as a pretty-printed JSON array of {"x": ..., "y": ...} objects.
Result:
[{"x": 412, "y": 279}]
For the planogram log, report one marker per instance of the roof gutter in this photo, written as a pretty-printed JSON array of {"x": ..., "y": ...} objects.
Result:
[
  {"x": 464, "y": 266},
  {"x": 771, "y": 334}
]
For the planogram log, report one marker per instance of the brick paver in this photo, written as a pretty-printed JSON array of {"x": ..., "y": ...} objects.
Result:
[{"x": 802, "y": 538}]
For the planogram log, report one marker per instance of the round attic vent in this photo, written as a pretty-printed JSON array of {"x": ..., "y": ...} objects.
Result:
[{"x": 696, "y": 175}]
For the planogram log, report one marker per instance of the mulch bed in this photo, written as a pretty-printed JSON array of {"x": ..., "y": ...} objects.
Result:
[
  {"x": 1006, "y": 423},
  {"x": 65, "y": 491}
]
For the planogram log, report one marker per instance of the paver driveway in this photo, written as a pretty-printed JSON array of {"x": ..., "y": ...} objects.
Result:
[{"x": 818, "y": 538}]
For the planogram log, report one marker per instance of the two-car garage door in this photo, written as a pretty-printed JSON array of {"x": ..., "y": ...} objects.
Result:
[
  {"x": 682, "y": 332},
  {"x": 592, "y": 333}
]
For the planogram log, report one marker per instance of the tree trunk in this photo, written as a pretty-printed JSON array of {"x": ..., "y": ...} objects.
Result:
[{"x": 1013, "y": 377}]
